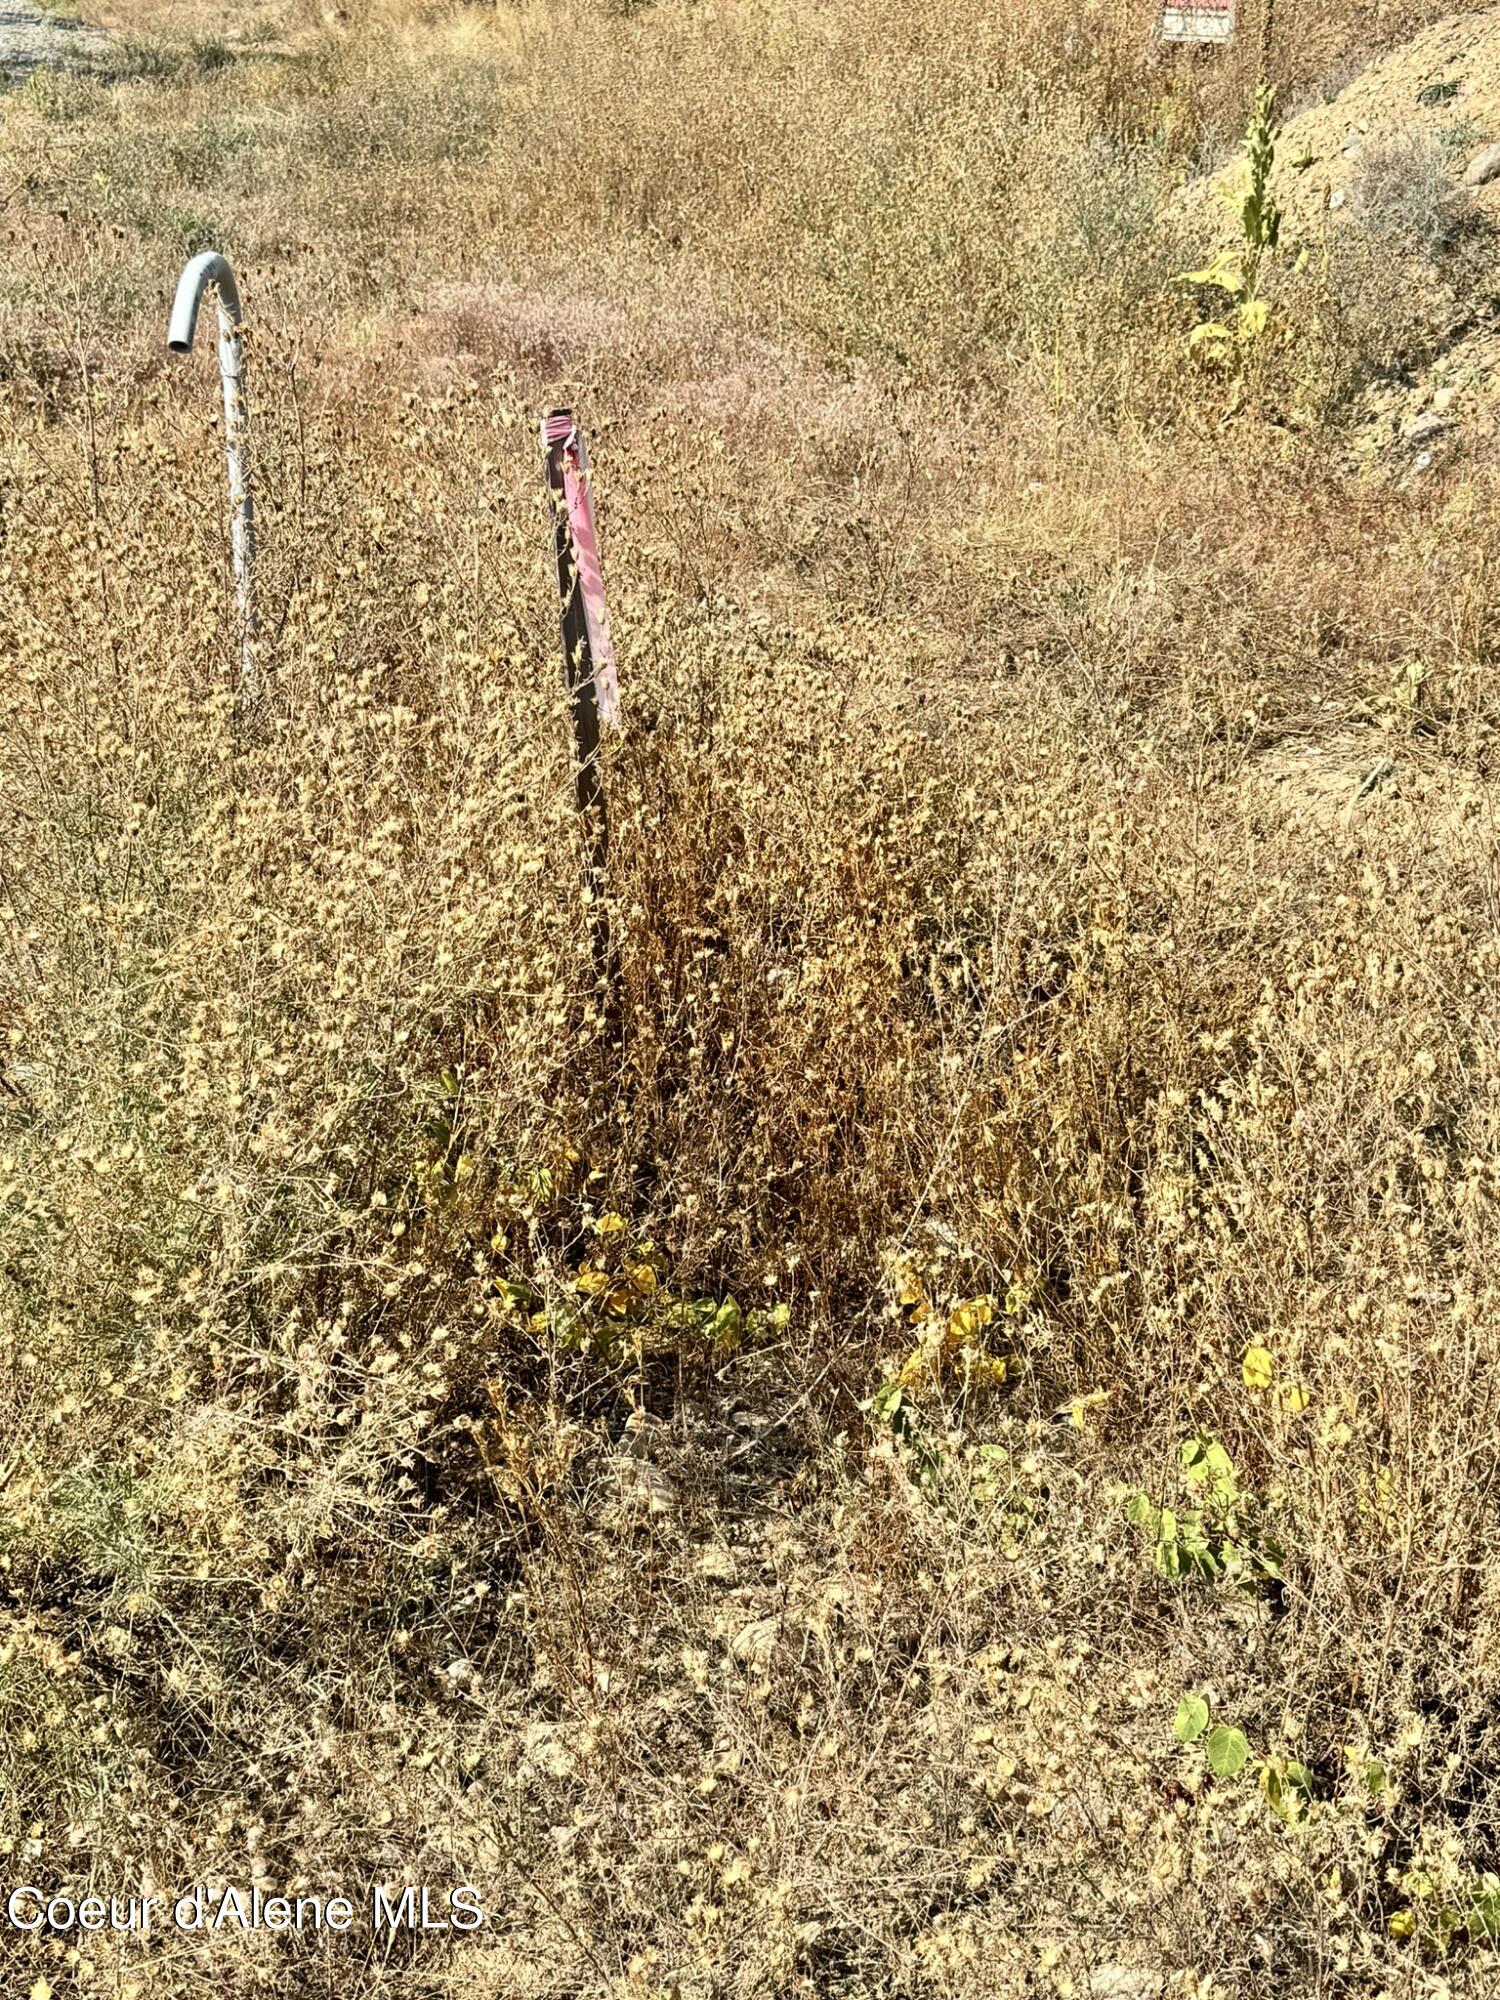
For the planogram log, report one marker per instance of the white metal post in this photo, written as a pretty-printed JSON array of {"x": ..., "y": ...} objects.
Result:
[{"x": 202, "y": 271}]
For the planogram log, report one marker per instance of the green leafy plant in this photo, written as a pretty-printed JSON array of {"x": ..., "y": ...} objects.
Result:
[
  {"x": 1369, "y": 1774},
  {"x": 892, "y": 1407},
  {"x": 618, "y": 1301},
  {"x": 1192, "y": 1718},
  {"x": 1286, "y": 1785},
  {"x": 1225, "y": 1751},
  {"x": 1225, "y": 342},
  {"x": 962, "y": 1343},
  {"x": 955, "y": 1345},
  {"x": 1219, "y": 1536},
  {"x": 1444, "y": 1916}
]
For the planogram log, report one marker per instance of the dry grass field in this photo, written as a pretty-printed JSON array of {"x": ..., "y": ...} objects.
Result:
[{"x": 946, "y": 1444}]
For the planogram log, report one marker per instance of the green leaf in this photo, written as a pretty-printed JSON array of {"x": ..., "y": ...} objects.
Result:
[
  {"x": 1271, "y": 1784},
  {"x": 886, "y": 1402},
  {"x": 1482, "y": 1918},
  {"x": 1224, "y": 274},
  {"x": 565, "y": 1323},
  {"x": 1288, "y": 1788},
  {"x": 766, "y": 1322},
  {"x": 1191, "y": 1719},
  {"x": 1226, "y": 1751},
  {"x": 1204, "y": 1458},
  {"x": 726, "y": 1327},
  {"x": 1205, "y": 1461},
  {"x": 1206, "y": 1561},
  {"x": 1374, "y": 1777}
]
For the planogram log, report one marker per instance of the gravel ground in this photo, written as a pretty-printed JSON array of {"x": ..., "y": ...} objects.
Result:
[{"x": 31, "y": 38}]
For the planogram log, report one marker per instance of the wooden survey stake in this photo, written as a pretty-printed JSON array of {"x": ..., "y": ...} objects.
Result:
[{"x": 588, "y": 657}]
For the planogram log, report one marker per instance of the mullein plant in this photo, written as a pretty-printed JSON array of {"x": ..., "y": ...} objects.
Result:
[{"x": 1225, "y": 343}]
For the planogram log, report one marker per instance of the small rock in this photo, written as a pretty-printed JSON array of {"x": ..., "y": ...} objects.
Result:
[
  {"x": 1425, "y": 426},
  {"x": 1424, "y": 459},
  {"x": 1338, "y": 197},
  {"x": 1443, "y": 399},
  {"x": 1125, "y": 1982},
  {"x": 1483, "y": 167},
  {"x": 753, "y": 1644},
  {"x": 1349, "y": 147}
]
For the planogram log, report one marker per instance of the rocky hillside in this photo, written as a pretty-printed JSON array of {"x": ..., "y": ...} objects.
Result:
[
  {"x": 1440, "y": 91},
  {"x": 1401, "y": 169}
]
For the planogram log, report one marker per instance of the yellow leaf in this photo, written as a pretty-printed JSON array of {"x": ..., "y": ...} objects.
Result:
[
  {"x": 610, "y": 1225},
  {"x": 1257, "y": 1368},
  {"x": 1077, "y": 1407},
  {"x": 971, "y": 1318},
  {"x": 41, "y": 1991},
  {"x": 1295, "y": 1397},
  {"x": 910, "y": 1289},
  {"x": 916, "y": 1370},
  {"x": 1224, "y": 273}
]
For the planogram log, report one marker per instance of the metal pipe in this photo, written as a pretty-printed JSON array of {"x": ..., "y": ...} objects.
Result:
[{"x": 209, "y": 268}]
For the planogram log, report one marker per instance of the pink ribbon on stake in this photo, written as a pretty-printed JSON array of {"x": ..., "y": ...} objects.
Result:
[{"x": 560, "y": 428}]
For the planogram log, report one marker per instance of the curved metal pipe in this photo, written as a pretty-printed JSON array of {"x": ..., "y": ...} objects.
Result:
[
  {"x": 201, "y": 272},
  {"x": 206, "y": 269}
]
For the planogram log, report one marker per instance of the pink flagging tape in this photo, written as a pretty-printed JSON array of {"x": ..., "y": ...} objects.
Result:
[
  {"x": 588, "y": 665},
  {"x": 559, "y": 427},
  {"x": 591, "y": 583}
]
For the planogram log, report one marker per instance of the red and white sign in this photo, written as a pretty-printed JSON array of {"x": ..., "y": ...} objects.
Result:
[{"x": 1198, "y": 21}]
